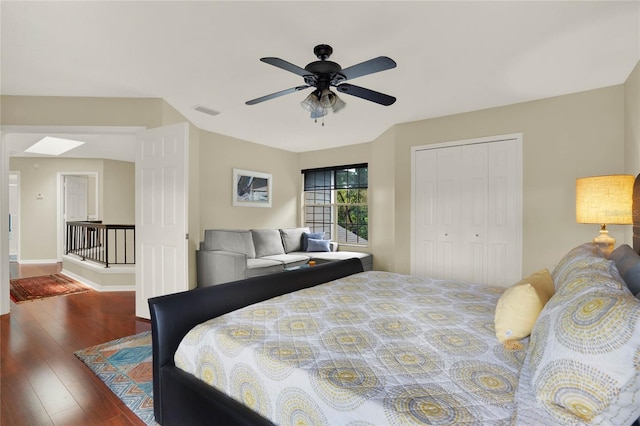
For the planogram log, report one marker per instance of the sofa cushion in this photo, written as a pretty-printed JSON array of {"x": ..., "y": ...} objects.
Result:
[
  {"x": 292, "y": 238},
  {"x": 256, "y": 267},
  {"x": 519, "y": 306},
  {"x": 267, "y": 242},
  {"x": 288, "y": 259},
  {"x": 236, "y": 241},
  {"x": 318, "y": 245},
  {"x": 307, "y": 235}
]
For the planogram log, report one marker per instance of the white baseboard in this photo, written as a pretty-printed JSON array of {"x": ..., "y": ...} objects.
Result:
[
  {"x": 117, "y": 269},
  {"x": 96, "y": 286},
  {"x": 38, "y": 261}
]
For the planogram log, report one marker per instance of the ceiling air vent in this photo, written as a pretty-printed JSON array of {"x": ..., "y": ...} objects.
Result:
[{"x": 205, "y": 110}]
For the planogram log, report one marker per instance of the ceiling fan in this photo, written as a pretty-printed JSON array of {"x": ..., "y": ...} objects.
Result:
[{"x": 323, "y": 74}]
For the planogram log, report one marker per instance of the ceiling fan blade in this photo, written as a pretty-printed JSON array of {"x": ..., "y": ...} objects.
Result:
[
  {"x": 381, "y": 63},
  {"x": 276, "y": 95},
  {"x": 368, "y": 94},
  {"x": 287, "y": 66}
]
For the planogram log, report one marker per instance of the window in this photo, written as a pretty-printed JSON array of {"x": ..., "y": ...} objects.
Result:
[{"x": 335, "y": 202}]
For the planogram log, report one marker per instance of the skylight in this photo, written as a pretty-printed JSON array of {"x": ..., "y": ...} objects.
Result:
[{"x": 53, "y": 146}]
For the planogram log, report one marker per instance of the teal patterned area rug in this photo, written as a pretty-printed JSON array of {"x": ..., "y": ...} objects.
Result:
[{"x": 124, "y": 365}]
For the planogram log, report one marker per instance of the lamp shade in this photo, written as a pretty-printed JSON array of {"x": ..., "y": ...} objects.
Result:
[{"x": 605, "y": 199}]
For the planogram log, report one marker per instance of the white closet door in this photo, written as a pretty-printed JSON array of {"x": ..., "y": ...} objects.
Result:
[{"x": 466, "y": 223}]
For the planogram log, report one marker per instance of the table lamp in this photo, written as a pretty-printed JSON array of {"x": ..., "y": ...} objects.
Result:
[{"x": 604, "y": 200}]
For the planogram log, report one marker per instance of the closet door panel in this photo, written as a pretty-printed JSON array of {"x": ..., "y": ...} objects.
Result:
[
  {"x": 448, "y": 213},
  {"x": 502, "y": 226},
  {"x": 473, "y": 172},
  {"x": 425, "y": 196}
]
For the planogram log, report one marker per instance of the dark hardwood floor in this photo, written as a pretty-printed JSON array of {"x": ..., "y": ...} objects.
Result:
[{"x": 41, "y": 381}]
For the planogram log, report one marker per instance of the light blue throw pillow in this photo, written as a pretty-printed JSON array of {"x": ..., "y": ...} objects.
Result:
[
  {"x": 318, "y": 245},
  {"x": 310, "y": 235}
]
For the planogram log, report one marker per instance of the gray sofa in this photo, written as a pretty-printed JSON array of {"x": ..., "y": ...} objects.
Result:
[{"x": 230, "y": 255}]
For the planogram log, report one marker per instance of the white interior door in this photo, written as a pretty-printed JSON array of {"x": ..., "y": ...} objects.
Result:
[
  {"x": 75, "y": 198},
  {"x": 161, "y": 213}
]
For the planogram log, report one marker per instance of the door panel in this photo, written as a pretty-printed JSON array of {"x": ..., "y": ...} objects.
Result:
[
  {"x": 75, "y": 198},
  {"x": 161, "y": 213},
  {"x": 425, "y": 237}
]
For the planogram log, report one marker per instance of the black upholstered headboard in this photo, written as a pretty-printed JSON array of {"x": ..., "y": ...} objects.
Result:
[{"x": 636, "y": 215}]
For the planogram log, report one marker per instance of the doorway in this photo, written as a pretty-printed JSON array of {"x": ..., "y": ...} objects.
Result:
[
  {"x": 77, "y": 202},
  {"x": 14, "y": 139}
]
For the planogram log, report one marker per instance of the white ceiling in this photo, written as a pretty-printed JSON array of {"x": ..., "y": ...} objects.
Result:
[{"x": 452, "y": 57}]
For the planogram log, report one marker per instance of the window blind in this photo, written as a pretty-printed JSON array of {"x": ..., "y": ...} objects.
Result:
[{"x": 355, "y": 176}]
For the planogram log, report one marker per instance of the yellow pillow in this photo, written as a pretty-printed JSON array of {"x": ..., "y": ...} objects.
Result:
[{"x": 519, "y": 306}]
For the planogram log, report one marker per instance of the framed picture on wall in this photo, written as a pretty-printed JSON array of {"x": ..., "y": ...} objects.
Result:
[{"x": 251, "y": 189}]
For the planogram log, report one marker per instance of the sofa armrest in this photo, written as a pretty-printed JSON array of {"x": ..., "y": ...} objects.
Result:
[{"x": 217, "y": 266}]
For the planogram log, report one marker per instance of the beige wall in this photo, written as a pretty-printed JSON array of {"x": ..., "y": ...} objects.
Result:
[
  {"x": 118, "y": 193},
  {"x": 79, "y": 111},
  {"x": 219, "y": 155},
  {"x": 382, "y": 220},
  {"x": 632, "y": 122}
]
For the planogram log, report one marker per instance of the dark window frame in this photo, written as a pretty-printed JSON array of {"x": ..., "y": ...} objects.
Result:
[{"x": 344, "y": 222}]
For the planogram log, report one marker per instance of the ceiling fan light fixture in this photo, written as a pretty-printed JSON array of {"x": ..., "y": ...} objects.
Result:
[
  {"x": 328, "y": 98},
  {"x": 318, "y": 113},
  {"x": 311, "y": 102},
  {"x": 338, "y": 104}
]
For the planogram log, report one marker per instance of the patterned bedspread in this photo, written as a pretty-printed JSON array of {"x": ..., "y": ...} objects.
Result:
[{"x": 370, "y": 349}]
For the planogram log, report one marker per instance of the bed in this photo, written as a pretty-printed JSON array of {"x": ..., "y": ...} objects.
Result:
[{"x": 336, "y": 345}]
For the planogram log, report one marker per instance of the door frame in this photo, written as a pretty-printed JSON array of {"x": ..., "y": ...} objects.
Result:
[
  {"x": 518, "y": 140},
  {"x": 5, "y": 131},
  {"x": 15, "y": 229}
]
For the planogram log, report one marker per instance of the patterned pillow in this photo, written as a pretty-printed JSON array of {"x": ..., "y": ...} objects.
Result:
[
  {"x": 585, "y": 353},
  {"x": 580, "y": 260}
]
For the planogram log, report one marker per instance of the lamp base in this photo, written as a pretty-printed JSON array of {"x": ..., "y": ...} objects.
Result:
[{"x": 604, "y": 242}]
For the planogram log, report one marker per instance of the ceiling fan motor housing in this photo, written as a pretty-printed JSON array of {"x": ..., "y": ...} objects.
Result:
[{"x": 324, "y": 73}]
